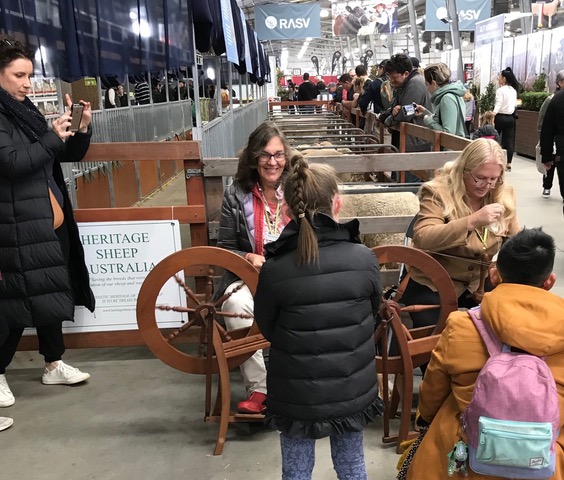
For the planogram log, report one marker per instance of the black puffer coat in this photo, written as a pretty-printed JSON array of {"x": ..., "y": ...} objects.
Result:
[
  {"x": 36, "y": 285},
  {"x": 234, "y": 233},
  {"x": 320, "y": 321}
]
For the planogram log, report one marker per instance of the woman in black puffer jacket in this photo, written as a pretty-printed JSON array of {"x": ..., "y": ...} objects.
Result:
[
  {"x": 42, "y": 270},
  {"x": 316, "y": 302}
]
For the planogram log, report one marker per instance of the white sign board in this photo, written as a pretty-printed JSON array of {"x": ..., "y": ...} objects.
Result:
[{"x": 119, "y": 255}]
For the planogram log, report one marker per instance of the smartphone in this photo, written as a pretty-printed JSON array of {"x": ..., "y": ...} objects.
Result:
[
  {"x": 409, "y": 109},
  {"x": 76, "y": 116}
]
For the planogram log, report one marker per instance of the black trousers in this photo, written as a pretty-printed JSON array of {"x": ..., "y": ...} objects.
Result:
[
  {"x": 505, "y": 126},
  {"x": 50, "y": 337},
  {"x": 417, "y": 294},
  {"x": 51, "y": 344},
  {"x": 548, "y": 179}
]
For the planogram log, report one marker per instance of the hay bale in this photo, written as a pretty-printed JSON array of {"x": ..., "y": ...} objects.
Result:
[{"x": 379, "y": 205}]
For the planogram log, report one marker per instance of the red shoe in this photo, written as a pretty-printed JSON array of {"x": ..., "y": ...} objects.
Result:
[{"x": 254, "y": 404}]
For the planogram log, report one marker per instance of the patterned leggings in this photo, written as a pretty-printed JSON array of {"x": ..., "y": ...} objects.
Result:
[{"x": 347, "y": 453}]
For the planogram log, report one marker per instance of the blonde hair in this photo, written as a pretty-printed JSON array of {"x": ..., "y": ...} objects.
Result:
[
  {"x": 439, "y": 72},
  {"x": 487, "y": 118},
  {"x": 468, "y": 96},
  {"x": 309, "y": 189},
  {"x": 358, "y": 83},
  {"x": 449, "y": 181}
]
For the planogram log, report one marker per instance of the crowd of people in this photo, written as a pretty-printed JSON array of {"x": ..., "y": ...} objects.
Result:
[{"x": 319, "y": 290}]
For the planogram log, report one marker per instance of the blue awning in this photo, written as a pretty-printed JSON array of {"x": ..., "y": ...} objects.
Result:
[{"x": 80, "y": 38}]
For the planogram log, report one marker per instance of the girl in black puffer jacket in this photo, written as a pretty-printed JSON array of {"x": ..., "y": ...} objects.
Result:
[
  {"x": 316, "y": 302},
  {"x": 486, "y": 128}
]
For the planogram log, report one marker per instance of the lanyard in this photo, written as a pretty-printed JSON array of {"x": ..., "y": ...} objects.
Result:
[
  {"x": 272, "y": 226},
  {"x": 483, "y": 238}
]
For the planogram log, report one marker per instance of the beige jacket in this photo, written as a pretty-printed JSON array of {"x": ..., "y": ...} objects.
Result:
[{"x": 455, "y": 247}]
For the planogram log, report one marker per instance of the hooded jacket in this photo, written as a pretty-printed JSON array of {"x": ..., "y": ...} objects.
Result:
[
  {"x": 320, "y": 320},
  {"x": 450, "y": 110},
  {"x": 37, "y": 286},
  {"x": 524, "y": 317}
]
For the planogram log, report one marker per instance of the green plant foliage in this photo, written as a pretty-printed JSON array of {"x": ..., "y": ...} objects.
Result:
[
  {"x": 486, "y": 101},
  {"x": 533, "y": 100},
  {"x": 283, "y": 93},
  {"x": 539, "y": 85}
]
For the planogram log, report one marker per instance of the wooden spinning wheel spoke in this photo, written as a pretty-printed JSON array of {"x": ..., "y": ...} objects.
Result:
[
  {"x": 187, "y": 290},
  {"x": 402, "y": 286}
]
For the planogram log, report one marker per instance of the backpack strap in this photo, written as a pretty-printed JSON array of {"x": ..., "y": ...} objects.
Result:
[{"x": 493, "y": 344}]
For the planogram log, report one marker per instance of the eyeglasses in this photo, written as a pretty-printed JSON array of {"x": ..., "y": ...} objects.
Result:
[
  {"x": 265, "y": 157},
  {"x": 480, "y": 182}
]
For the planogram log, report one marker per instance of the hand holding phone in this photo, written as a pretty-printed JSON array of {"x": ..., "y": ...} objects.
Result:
[
  {"x": 409, "y": 110},
  {"x": 76, "y": 116}
]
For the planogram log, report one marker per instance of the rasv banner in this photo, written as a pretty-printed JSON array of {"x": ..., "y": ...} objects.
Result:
[
  {"x": 282, "y": 21},
  {"x": 489, "y": 31},
  {"x": 229, "y": 32},
  {"x": 469, "y": 12}
]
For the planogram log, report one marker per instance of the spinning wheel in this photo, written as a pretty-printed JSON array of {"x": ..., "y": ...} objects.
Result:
[
  {"x": 211, "y": 349},
  {"x": 412, "y": 257},
  {"x": 414, "y": 346}
]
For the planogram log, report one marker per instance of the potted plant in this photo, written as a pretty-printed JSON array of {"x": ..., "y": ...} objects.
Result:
[
  {"x": 526, "y": 128},
  {"x": 486, "y": 101}
]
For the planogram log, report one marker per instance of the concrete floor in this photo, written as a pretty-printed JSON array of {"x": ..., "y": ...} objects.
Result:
[{"x": 138, "y": 418}]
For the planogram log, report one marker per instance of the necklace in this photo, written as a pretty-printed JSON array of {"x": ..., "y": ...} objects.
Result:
[
  {"x": 271, "y": 223},
  {"x": 483, "y": 237}
]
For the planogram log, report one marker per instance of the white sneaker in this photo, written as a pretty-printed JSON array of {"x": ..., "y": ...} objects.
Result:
[
  {"x": 64, "y": 374},
  {"x": 5, "y": 423},
  {"x": 6, "y": 396}
]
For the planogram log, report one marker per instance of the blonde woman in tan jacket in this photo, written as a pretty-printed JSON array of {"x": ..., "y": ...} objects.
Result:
[{"x": 465, "y": 212}]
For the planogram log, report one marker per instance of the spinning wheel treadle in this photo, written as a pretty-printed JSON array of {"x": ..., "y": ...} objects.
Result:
[{"x": 217, "y": 349}]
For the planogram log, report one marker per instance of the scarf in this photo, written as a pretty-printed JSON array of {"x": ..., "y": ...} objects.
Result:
[
  {"x": 25, "y": 115},
  {"x": 259, "y": 211}
]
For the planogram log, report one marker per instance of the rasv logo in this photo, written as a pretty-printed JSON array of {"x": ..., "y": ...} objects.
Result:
[
  {"x": 286, "y": 23},
  {"x": 468, "y": 15}
]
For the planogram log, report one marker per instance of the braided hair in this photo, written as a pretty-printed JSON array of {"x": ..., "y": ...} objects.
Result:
[{"x": 308, "y": 190}]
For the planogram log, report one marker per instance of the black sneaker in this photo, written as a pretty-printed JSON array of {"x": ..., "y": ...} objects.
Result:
[{"x": 546, "y": 193}]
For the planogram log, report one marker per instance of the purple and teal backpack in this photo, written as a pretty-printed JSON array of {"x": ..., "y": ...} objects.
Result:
[{"x": 513, "y": 418}]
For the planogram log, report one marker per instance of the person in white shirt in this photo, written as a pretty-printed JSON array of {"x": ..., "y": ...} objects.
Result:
[{"x": 505, "y": 106}]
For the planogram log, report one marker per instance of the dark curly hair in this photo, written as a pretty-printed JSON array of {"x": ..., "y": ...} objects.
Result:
[
  {"x": 247, "y": 173},
  {"x": 12, "y": 49},
  {"x": 399, "y": 63}
]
